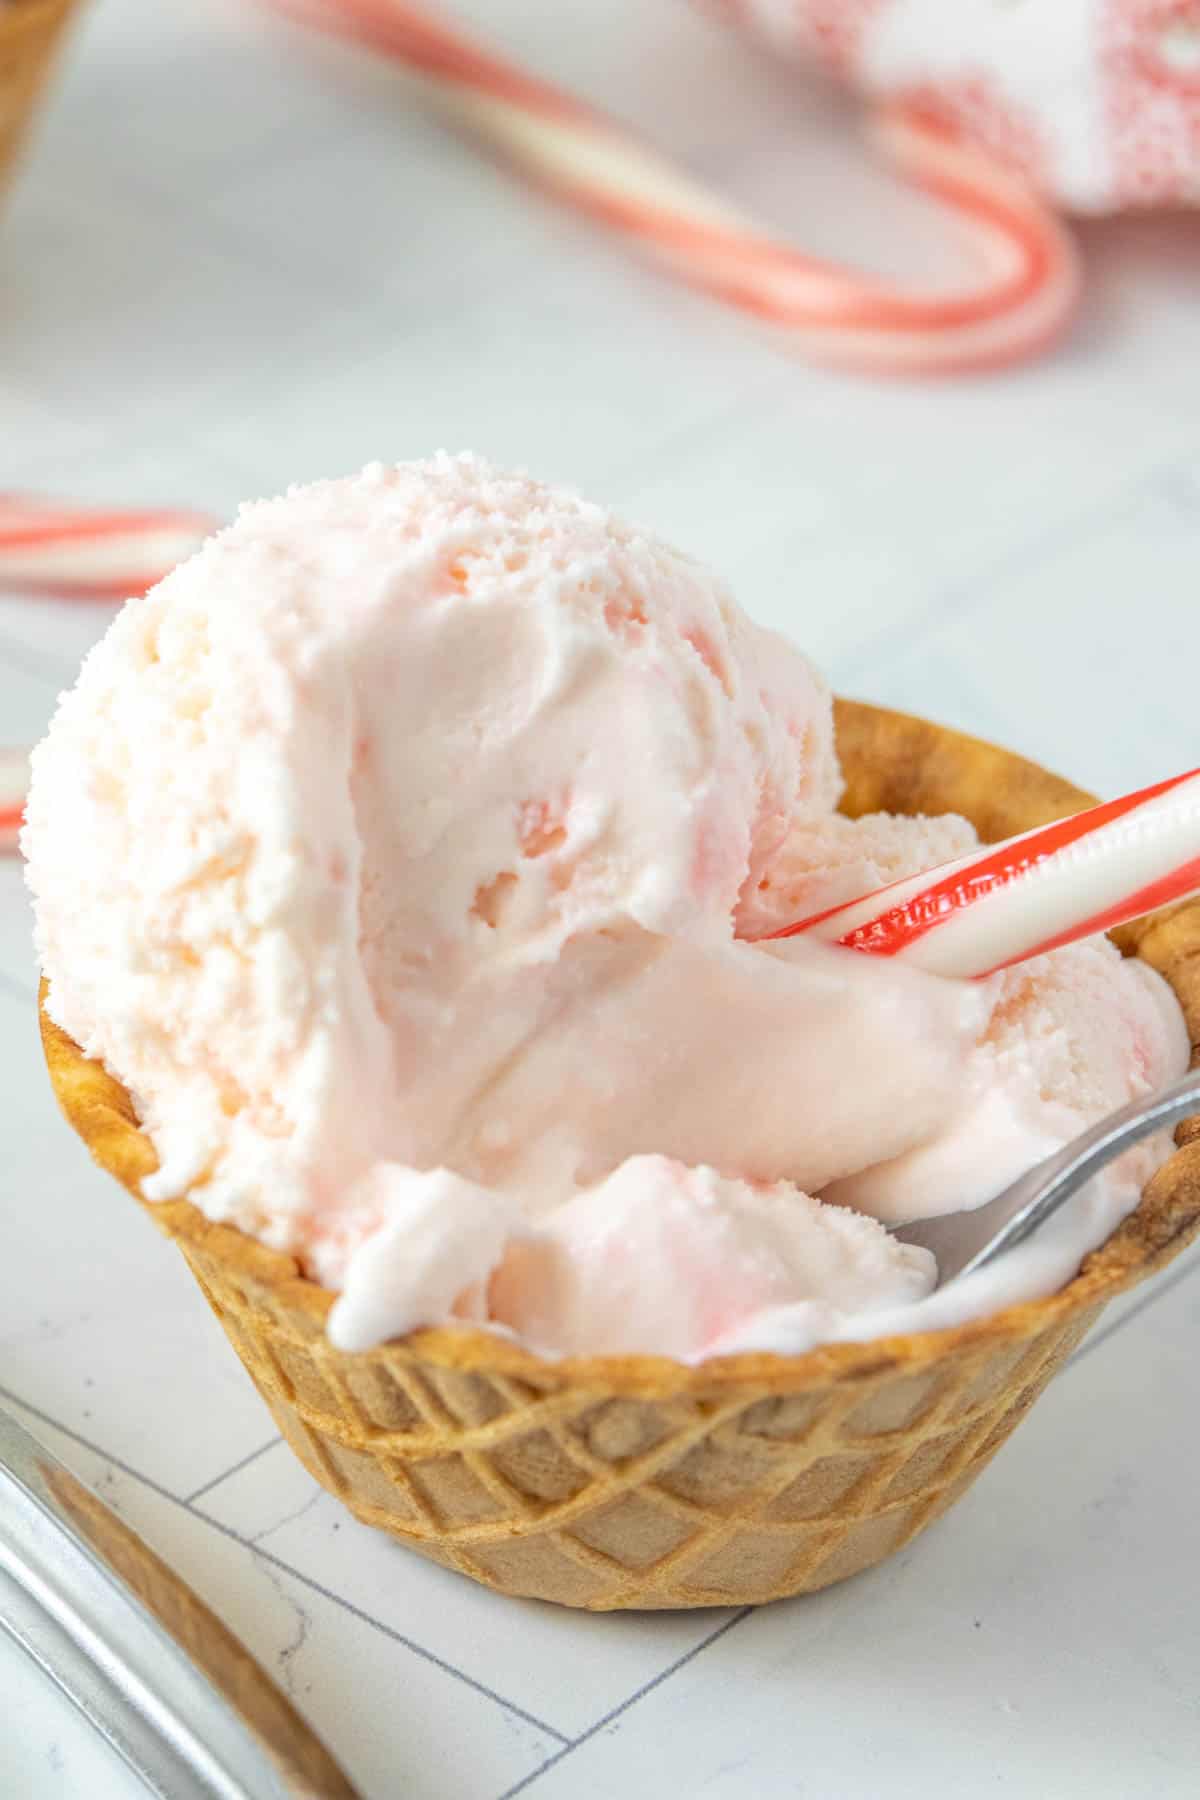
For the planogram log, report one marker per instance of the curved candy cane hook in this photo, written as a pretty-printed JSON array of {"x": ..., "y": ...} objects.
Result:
[{"x": 834, "y": 314}]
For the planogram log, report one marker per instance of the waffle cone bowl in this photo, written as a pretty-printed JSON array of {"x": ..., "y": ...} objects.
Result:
[
  {"x": 636, "y": 1481},
  {"x": 30, "y": 34}
]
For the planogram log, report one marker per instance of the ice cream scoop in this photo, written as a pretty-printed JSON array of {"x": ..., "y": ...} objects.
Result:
[{"x": 402, "y": 854}]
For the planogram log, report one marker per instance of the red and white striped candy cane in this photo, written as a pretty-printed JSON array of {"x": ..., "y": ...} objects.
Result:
[
  {"x": 81, "y": 553},
  {"x": 833, "y": 314},
  {"x": 14, "y": 779},
  {"x": 1014, "y": 900},
  {"x": 91, "y": 553}
]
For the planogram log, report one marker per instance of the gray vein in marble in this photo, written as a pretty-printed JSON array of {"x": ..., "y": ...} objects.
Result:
[
  {"x": 286, "y": 1656},
  {"x": 297, "y": 1512}
]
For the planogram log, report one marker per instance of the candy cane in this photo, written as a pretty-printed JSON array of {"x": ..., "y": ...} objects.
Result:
[
  {"x": 14, "y": 778},
  {"x": 88, "y": 553},
  {"x": 1011, "y": 901},
  {"x": 81, "y": 553},
  {"x": 834, "y": 314}
]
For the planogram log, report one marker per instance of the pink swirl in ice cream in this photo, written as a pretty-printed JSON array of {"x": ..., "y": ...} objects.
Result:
[{"x": 402, "y": 854}]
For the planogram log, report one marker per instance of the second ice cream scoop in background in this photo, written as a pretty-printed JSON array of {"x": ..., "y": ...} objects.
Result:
[{"x": 418, "y": 938}]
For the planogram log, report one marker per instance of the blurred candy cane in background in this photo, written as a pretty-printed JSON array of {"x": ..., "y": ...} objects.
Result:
[
  {"x": 1021, "y": 297},
  {"x": 76, "y": 552},
  {"x": 1003, "y": 109},
  {"x": 73, "y": 552},
  {"x": 14, "y": 775}
]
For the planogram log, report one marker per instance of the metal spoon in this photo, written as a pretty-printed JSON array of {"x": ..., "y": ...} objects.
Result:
[{"x": 966, "y": 1241}]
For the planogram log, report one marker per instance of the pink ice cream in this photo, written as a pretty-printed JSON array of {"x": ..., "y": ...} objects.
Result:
[{"x": 401, "y": 853}]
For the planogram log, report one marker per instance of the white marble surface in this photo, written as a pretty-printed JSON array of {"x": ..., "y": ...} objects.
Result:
[{"x": 236, "y": 259}]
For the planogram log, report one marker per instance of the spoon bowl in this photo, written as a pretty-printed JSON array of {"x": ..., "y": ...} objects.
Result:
[{"x": 965, "y": 1241}]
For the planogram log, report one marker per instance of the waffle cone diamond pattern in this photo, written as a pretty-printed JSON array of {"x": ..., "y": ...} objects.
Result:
[{"x": 572, "y": 1495}]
